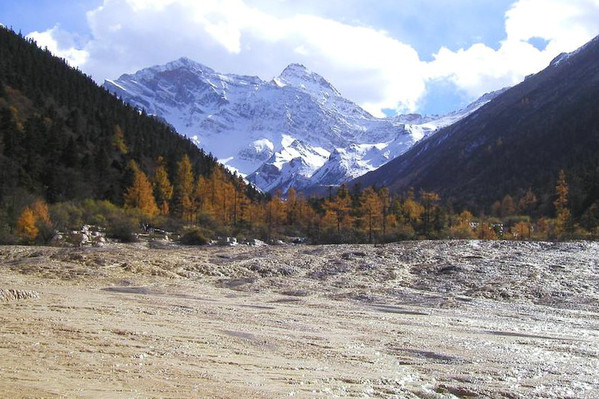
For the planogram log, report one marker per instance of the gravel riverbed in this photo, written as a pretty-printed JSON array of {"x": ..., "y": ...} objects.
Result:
[{"x": 429, "y": 319}]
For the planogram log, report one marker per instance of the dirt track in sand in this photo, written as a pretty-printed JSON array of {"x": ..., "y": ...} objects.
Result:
[{"x": 416, "y": 320}]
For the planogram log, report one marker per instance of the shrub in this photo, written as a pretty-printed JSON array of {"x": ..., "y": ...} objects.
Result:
[
  {"x": 66, "y": 216},
  {"x": 122, "y": 227},
  {"x": 194, "y": 236}
]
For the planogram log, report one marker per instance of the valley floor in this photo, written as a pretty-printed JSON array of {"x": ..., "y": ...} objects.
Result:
[{"x": 437, "y": 319}]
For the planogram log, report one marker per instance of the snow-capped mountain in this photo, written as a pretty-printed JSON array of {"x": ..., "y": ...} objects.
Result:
[{"x": 296, "y": 130}]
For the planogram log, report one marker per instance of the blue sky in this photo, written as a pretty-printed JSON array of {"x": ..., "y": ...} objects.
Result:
[{"x": 427, "y": 56}]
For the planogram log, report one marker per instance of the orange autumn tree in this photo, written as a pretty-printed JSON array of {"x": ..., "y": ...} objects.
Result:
[
  {"x": 183, "y": 206},
  {"x": 411, "y": 210},
  {"x": 224, "y": 200},
  {"x": 201, "y": 197},
  {"x": 35, "y": 223},
  {"x": 42, "y": 220},
  {"x": 371, "y": 211},
  {"x": 162, "y": 187},
  {"x": 140, "y": 194},
  {"x": 338, "y": 211},
  {"x": 26, "y": 228},
  {"x": 275, "y": 215}
]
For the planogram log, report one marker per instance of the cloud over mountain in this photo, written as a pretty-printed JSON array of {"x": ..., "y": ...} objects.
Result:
[{"x": 366, "y": 63}]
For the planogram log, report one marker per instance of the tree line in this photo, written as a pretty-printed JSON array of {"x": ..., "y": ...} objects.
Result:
[
  {"x": 72, "y": 154},
  {"x": 205, "y": 207}
]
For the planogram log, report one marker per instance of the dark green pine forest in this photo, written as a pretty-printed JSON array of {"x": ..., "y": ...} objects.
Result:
[{"x": 64, "y": 138}]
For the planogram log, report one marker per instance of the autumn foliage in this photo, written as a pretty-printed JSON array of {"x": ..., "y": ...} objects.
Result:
[
  {"x": 140, "y": 194},
  {"x": 208, "y": 205},
  {"x": 34, "y": 223}
]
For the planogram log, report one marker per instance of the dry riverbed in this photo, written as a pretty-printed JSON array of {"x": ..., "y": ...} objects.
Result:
[{"x": 441, "y": 319}]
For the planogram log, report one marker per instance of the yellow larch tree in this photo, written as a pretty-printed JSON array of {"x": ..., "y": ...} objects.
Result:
[
  {"x": 371, "y": 211},
  {"x": 462, "y": 228},
  {"x": 26, "y": 226},
  {"x": 118, "y": 140},
  {"x": 338, "y": 211},
  {"x": 183, "y": 206},
  {"x": 162, "y": 187},
  {"x": 275, "y": 214},
  {"x": 201, "y": 196},
  {"x": 140, "y": 194},
  {"x": 412, "y": 210}
]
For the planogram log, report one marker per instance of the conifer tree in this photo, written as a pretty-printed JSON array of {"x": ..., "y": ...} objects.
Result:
[
  {"x": 183, "y": 190},
  {"x": 162, "y": 187},
  {"x": 140, "y": 194},
  {"x": 275, "y": 214},
  {"x": 521, "y": 230},
  {"x": 292, "y": 207},
  {"x": 412, "y": 210},
  {"x": 202, "y": 196},
  {"x": 485, "y": 231},
  {"x": 528, "y": 202},
  {"x": 371, "y": 211},
  {"x": 462, "y": 228},
  {"x": 338, "y": 210},
  {"x": 387, "y": 219},
  {"x": 561, "y": 204},
  {"x": 118, "y": 140},
  {"x": 429, "y": 203},
  {"x": 508, "y": 207}
]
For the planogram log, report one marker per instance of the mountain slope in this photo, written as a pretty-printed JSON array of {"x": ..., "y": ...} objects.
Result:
[
  {"x": 520, "y": 139},
  {"x": 295, "y": 130},
  {"x": 62, "y": 137}
]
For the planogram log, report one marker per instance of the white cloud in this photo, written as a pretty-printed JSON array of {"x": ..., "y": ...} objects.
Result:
[
  {"x": 366, "y": 64},
  {"x": 60, "y": 44},
  {"x": 565, "y": 25}
]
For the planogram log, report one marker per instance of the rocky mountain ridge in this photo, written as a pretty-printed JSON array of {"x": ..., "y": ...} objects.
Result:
[{"x": 296, "y": 130}]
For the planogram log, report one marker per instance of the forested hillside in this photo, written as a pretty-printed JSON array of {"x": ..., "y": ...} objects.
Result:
[
  {"x": 516, "y": 143},
  {"x": 63, "y": 137}
]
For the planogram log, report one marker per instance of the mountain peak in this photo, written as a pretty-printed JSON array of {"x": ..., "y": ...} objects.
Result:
[
  {"x": 295, "y": 69},
  {"x": 297, "y": 75},
  {"x": 188, "y": 63}
]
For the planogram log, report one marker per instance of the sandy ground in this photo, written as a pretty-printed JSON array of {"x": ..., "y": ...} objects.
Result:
[{"x": 445, "y": 319}]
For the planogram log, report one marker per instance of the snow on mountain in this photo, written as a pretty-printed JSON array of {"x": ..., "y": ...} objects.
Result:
[{"x": 293, "y": 131}]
